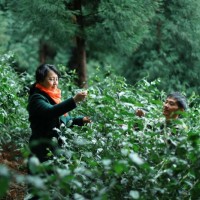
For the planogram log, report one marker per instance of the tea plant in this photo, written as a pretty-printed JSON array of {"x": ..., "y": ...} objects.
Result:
[
  {"x": 109, "y": 159},
  {"x": 117, "y": 156},
  {"x": 13, "y": 115}
]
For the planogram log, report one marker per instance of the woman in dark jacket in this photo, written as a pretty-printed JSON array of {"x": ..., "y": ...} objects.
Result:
[{"x": 47, "y": 112}]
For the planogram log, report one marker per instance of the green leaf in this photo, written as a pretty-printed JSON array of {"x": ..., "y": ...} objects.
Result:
[{"x": 134, "y": 194}]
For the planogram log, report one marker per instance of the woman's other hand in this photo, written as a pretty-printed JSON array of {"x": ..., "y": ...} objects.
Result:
[
  {"x": 140, "y": 113},
  {"x": 86, "y": 120}
]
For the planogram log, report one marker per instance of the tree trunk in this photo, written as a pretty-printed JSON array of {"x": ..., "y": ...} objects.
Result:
[
  {"x": 158, "y": 34},
  {"x": 46, "y": 53},
  {"x": 81, "y": 61},
  {"x": 80, "y": 47}
]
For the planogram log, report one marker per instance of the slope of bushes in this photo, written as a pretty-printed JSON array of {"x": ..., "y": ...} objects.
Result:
[
  {"x": 14, "y": 128},
  {"x": 104, "y": 160},
  {"x": 108, "y": 159},
  {"x": 13, "y": 98}
]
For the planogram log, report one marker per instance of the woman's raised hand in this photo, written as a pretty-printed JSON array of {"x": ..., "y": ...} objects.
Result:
[{"x": 80, "y": 96}]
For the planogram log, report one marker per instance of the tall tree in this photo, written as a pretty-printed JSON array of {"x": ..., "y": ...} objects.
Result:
[
  {"x": 108, "y": 26},
  {"x": 171, "y": 51}
]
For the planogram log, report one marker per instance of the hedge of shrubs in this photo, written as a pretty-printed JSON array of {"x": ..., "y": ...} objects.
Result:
[{"x": 104, "y": 160}]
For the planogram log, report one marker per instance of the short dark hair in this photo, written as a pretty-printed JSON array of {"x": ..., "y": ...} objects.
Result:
[
  {"x": 181, "y": 99},
  {"x": 43, "y": 70}
]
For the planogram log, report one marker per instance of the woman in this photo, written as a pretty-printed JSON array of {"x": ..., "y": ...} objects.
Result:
[{"x": 47, "y": 112}]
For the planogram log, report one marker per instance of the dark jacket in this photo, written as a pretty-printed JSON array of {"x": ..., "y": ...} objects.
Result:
[{"x": 44, "y": 116}]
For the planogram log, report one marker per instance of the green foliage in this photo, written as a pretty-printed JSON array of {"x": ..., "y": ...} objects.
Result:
[
  {"x": 57, "y": 21},
  {"x": 121, "y": 36},
  {"x": 24, "y": 47},
  {"x": 4, "y": 180},
  {"x": 118, "y": 155},
  {"x": 161, "y": 36},
  {"x": 58, "y": 25},
  {"x": 108, "y": 159},
  {"x": 171, "y": 51},
  {"x": 13, "y": 115}
]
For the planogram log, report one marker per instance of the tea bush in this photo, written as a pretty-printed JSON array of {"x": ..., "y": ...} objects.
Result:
[
  {"x": 117, "y": 156},
  {"x": 13, "y": 99},
  {"x": 108, "y": 159},
  {"x": 14, "y": 128}
]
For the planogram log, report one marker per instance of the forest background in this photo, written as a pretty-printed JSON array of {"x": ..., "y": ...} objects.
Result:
[
  {"x": 135, "y": 39},
  {"x": 128, "y": 54}
]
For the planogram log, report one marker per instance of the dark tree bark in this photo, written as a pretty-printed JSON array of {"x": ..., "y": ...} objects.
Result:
[
  {"x": 81, "y": 60},
  {"x": 159, "y": 39},
  {"x": 46, "y": 53},
  {"x": 78, "y": 60}
]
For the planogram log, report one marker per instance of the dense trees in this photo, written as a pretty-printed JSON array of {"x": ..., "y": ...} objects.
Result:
[
  {"x": 155, "y": 39},
  {"x": 96, "y": 27},
  {"x": 146, "y": 38},
  {"x": 170, "y": 51},
  {"x": 103, "y": 160}
]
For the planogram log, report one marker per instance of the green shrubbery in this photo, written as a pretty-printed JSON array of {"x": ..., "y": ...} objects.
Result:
[
  {"x": 13, "y": 99},
  {"x": 104, "y": 160},
  {"x": 13, "y": 116}
]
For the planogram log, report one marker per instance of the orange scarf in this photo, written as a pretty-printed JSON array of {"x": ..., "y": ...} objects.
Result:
[{"x": 55, "y": 94}]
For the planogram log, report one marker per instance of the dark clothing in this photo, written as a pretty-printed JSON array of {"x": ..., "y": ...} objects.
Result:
[{"x": 44, "y": 116}]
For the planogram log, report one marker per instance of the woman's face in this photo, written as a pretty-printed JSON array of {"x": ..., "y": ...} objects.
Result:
[
  {"x": 51, "y": 80},
  {"x": 170, "y": 108}
]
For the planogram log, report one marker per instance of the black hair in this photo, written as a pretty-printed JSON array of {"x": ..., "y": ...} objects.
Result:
[
  {"x": 181, "y": 99},
  {"x": 41, "y": 73},
  {"x": 43, "y": 70}
]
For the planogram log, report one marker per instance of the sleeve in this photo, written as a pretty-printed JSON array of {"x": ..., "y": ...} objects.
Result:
[
  {"x": 70, "y": 122},
  {"x": 78, "y": 121},
  {"x": 39, "y": 105}
]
